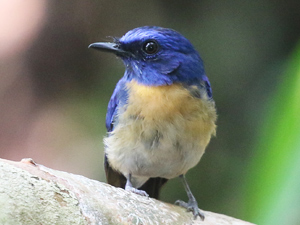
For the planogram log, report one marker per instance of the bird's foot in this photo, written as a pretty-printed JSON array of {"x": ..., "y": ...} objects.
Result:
[
  {"x": 191, "y": 206},
  {"x": 136, "y": 191}
]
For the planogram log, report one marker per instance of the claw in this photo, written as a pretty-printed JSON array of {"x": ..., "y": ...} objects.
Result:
[
  {"x": 191, "y": 206},
  {"x": 129, "y": 187},
  {"x": 136, "y": 191}
]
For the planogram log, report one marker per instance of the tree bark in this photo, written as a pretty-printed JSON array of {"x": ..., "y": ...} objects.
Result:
[{"x": 34, "y": 194}]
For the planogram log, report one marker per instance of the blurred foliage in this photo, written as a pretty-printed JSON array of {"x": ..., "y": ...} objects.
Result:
[{"x": 272, "y": 189}]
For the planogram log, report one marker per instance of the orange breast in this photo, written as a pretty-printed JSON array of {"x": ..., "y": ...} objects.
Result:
[
  {"x": 162, "y": 131},
  {"x": 165, "y": 102}
]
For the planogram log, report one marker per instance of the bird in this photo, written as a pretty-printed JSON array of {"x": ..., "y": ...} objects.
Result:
[{"x": 161, "y": 115}]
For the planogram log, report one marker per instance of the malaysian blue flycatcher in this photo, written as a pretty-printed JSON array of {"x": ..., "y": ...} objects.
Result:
[{"x": 161, "y": 115}]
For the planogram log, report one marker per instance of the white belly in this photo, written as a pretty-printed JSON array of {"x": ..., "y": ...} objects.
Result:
[
  {"x": 154, "y": 151},
  {"x": 162, "y": 132}
]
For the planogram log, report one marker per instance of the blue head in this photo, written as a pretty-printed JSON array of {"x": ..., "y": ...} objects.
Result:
[{"x": 158, "y": 56}]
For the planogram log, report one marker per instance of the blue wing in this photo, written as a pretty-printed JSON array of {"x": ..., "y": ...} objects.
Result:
[
  {"x": 207, "y": 86},
  {"x": 118, "y": 98},
  {"x": 197, "y": 88}
]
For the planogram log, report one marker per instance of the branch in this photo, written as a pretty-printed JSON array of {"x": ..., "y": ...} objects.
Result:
[{"x": 34, "y": 194}]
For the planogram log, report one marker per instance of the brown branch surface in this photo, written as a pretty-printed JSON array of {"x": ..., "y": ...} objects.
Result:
[{"x": 34, "y": 194}]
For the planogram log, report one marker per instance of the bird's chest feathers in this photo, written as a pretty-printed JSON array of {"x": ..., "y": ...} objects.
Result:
[
  {"x": 167, "y": 111},
  {"x": 159, "y": 103},
  {"x": 161, "y": 131}
]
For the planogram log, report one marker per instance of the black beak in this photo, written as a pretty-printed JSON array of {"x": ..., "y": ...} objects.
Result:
[{"x": 108, "y": 47}]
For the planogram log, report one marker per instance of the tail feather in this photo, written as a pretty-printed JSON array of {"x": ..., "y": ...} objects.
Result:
[{"x": 153, "y": 186}]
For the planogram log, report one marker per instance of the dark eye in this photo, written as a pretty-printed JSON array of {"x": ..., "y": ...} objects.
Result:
[{"x": 150, "y": 47}]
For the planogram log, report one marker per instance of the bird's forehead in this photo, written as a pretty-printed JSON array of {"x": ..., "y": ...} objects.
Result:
[
  {"x": 139, "y": 35},
  {"x": 157, "y": 33}
]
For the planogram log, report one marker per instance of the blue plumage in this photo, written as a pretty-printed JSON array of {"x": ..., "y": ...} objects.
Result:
[
  {"x": 176, "y": 61},
  {"x": 119, "y": 97},
  {"x": 161, "y": 115}
]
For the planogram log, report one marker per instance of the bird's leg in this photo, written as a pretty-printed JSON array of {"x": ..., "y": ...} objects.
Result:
[
  {"x": 192, "y": 204},
  {"x": 129, "y": 187}
]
